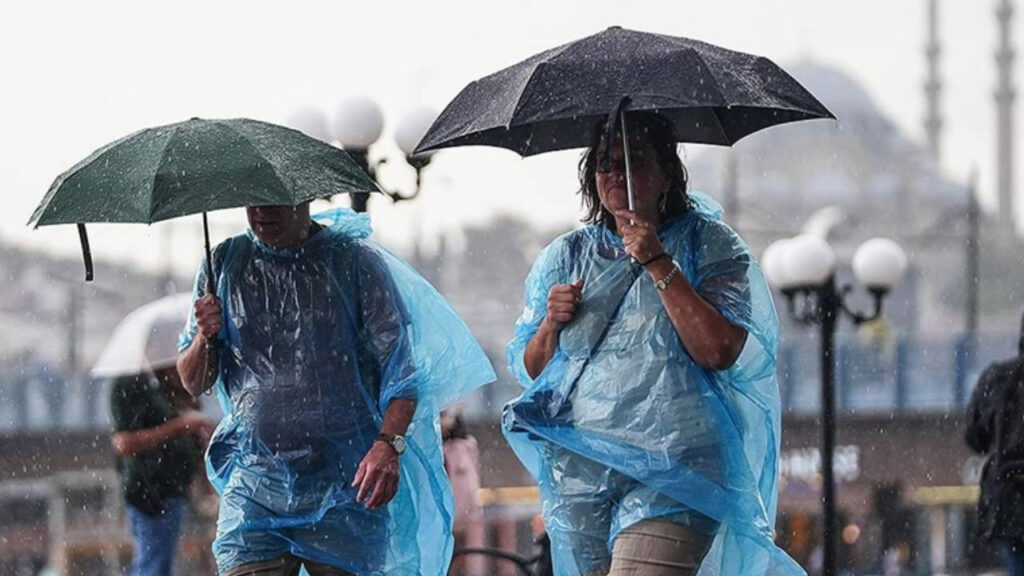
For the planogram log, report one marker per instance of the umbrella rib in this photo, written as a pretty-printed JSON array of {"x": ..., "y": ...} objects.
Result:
[
  {"x": 156, "y": 173},
  {"x": 718, "y": 121},
  {"x": 73, "y": 171},
  {"x": 523, "y": 98},
  {"x": 711, "y": 72},
  {"x": 256, "y": 151},
  {"x": 211, "y": 200},
  {"x": 529, "y": 140}
]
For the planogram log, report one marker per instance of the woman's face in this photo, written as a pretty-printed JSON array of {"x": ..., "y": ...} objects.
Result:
[{"x": 649, "y": 180}]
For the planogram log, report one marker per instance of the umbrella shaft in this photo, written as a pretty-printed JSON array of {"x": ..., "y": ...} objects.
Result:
[
  {"x": 629, "y": 169},
  {"x": 211, "y": 282}
]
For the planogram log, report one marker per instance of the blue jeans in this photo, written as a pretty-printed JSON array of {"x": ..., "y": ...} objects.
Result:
[
  {"x": 156, "y": 538},
  {"x": 1013, "y": 556}
]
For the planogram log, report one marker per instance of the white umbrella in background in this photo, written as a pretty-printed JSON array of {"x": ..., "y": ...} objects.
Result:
[{"x": 146, "y": 339}]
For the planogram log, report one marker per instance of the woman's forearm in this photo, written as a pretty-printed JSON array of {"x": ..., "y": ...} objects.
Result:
[
  {"x": 710, "y": 339},
  {"x": 540, "y": 349}
]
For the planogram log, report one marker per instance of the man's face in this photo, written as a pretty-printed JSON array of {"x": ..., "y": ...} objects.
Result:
[{"x": 279, "y": 226}]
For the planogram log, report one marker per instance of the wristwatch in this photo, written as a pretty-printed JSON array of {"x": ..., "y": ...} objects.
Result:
[
  {"x": 396, "y": 441},
  {"x": 663, "y": 283}
]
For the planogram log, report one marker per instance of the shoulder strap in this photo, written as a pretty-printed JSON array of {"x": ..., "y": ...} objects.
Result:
[{"x": 235, "y": 256}]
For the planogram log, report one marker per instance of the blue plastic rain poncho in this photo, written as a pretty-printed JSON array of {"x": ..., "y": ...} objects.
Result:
[
  {"x": 622, "y": 425},
  {"x": 318, "y": 341}
]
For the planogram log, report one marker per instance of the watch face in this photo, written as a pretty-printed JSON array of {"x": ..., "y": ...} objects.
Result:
[{"x": 399, "y": 444}]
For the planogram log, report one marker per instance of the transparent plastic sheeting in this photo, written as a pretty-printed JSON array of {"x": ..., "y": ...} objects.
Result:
[
  {"x": 318, "y": 341},
  {"x": 622, "y": 425}
]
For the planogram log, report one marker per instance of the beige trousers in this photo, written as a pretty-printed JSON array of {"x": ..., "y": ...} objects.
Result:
[{"x": 658, "y": 548}]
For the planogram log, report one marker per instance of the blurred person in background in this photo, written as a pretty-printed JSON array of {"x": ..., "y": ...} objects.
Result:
[
  {"x": 995, "y": 427},
  {"x": 462, "y": 463},
  {"x": 159, "y": 437}
]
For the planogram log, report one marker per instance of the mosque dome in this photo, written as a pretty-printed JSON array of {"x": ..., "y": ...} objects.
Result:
[{"x": 862, "y": 163}]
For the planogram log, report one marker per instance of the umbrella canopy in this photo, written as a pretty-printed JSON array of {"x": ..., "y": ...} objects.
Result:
[
  {"x": 146, "y": 339},
  {"x": 558, "y": 98},
  {"x": 194, "y": 167}
]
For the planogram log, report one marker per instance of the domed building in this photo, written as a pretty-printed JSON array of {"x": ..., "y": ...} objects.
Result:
[
  {"x": 852, "y": 180},
  {"x": 861, "y": 163}
]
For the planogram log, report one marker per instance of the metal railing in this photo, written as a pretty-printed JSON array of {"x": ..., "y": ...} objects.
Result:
[
  {"x": 73, "y": 523},
  {"x": 894, "y": 374},
  {"x": 891, "y": 375}
]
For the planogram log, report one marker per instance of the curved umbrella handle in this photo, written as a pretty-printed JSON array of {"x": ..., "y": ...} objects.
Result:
[{"x": 83, "y": 237}]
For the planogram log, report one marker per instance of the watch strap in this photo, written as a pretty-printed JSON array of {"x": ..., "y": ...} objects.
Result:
[
  {"x": 664, "y": 282},
  {"x": 390, "y": 440}
]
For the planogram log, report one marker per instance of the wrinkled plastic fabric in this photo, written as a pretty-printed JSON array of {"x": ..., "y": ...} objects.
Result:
[
  {"x": 318, "y": 342},
  {"x": 622, "y": 425}
]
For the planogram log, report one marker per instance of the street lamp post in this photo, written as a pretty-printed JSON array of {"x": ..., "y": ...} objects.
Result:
[
  {"x": 803, "y": 268},
  {"x": 971, "y": 256},
  {"x": 358, "y": 123},
  {"x": 356, "y": 126}
]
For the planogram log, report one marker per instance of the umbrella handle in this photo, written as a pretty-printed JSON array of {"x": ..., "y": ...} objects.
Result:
[
  {"x": 83, "y": 237},
  {"x": 211, "y": 280}
]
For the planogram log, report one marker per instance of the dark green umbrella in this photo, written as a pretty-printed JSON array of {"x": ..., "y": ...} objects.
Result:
[{"x": 194, "y": 167}]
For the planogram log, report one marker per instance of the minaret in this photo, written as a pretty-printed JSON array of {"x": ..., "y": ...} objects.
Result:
[
  {"x": 933, "y": 84},
  {"x": 1005, "y": 95}
]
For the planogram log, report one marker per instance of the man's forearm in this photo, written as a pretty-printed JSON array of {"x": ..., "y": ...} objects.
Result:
[
  {"x": 398, "y": 416},
  {"x": 129, "y": 442},
  {"x": 196, "y": 368}
]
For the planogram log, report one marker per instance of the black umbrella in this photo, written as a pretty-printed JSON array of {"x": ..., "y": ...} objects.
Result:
[{"x": 557, "y": 99}]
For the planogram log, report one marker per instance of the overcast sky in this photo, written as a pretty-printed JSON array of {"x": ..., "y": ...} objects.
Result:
[{"x": 75, "y": 75}]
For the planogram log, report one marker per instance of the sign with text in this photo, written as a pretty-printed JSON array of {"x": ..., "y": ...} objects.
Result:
[{"x": 804, "y": 464}]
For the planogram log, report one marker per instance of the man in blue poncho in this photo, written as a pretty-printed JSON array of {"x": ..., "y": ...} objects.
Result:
[{"x": 329, "y": 355}]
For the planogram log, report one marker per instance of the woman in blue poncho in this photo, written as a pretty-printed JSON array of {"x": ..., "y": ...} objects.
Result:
[{"x": 647, "y": 349}]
